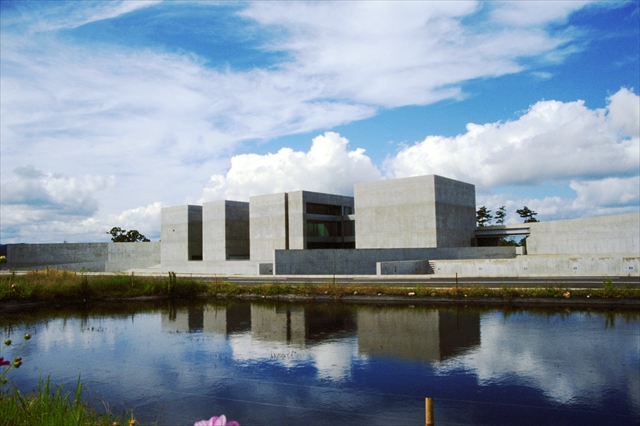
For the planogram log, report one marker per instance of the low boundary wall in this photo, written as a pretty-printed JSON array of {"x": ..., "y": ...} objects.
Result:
[
  {"x": 363, "y": 261},
  {"x": 551, "y": 265},
  {"x": 212, "y": 267},
  {"x": 90, "y": 257}
]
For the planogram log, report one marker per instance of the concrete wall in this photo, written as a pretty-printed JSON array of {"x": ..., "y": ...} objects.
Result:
[
  {"x": 269, "y": 226},
  {"x": 126, "y": 256},
  {"x": 92, "y": 257},
  {"x": 416, "y": 212},
  {"x": 363, "y": 261},
  {"x": 212, "y": 267},
  {"x": 88, "y": 256},
  {"x": 225, "y": 230},
  {"x": 540, "y": 265},
  {"x": 595, "y": 235},
  {"x": 405, "y": 267},
  {"x": 181, "y": 233}
]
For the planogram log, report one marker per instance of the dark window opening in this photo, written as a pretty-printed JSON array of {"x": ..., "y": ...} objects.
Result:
[
  {"x": 326, "y": 209},
  {"x": 349, "y": 228},
  {"x": 331, "y": 245}
]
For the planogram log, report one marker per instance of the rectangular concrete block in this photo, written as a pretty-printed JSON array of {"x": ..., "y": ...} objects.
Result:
[
  {"x": 226, "y": 230},
  {"x": 181, "y": 233},
  {"x": 417, "y": 212}
]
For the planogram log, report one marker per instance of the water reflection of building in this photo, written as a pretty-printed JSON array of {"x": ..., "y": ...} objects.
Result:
[
  {"x": 415, "y": 334},
  {"x": 209, "y": 319},
  {"x": 298, "y": 325}
]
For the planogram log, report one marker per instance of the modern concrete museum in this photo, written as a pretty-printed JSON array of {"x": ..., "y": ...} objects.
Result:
[{"x": 416, "y": 225}]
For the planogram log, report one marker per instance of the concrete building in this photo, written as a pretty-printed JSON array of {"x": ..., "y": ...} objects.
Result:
[{"x": 420, "y": 225}]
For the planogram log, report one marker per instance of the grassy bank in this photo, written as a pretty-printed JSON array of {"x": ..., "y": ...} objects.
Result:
[
  {"x": 53, "y": 284},
  {"x": 58, "y": 285}
]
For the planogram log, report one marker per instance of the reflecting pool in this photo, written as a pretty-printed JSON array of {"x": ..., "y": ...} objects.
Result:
[{"x": 312, "y": 364}]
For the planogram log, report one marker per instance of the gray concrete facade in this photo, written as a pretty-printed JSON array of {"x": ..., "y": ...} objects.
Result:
[
  {"x": 181, "y": 236},
  {"x": 225, "y": 230},
  {"x": 269, "y": 228},
  {"x": 416, "y": 212}
]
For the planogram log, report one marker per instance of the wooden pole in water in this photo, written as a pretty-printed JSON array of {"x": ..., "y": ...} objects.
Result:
[{"x": 428, "y": 408}]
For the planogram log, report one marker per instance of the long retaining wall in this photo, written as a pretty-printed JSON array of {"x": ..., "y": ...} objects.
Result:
[
  {"x": 91, "y": 257},
  {"x": 212, "y": 267},
  {"x": 549, "y": 265},
  {"x": 364, "y": 261}
]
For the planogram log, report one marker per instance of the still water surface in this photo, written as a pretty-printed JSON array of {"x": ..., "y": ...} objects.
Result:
[{"x": 341, "y": 365}]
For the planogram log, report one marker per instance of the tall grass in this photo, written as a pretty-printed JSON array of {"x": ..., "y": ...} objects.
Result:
[
  {"x": 56, "y": 284},
  {"x": 48, "y": 406}
]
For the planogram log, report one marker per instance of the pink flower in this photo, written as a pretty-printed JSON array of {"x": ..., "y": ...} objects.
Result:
[
  {"x": 216, "y": 421},
  {"x": 3, "y": 362}
]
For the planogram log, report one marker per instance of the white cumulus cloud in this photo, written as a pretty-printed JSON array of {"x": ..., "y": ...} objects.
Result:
[
  {"x": 552, "y": 141},
  {"x": 328, "y": 166}
]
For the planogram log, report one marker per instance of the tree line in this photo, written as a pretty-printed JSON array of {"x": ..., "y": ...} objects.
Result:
[{"x": 484, "y": 216}]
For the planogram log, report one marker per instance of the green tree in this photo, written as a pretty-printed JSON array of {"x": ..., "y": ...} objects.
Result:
[
  {"x": 119, "y": 235},
  {"x": 527, "y": 215},
  {"x": 483, "y": 216},
  {"x": 500, "y": 215}
]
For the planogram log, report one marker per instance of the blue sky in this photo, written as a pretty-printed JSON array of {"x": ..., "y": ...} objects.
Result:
[{"x": 111, "y": 110}]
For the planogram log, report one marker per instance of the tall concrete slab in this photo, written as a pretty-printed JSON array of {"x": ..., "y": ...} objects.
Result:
[
  {"x": 181, "y": 235},
  {"x": 416, "y": 212},
  {"x": 455, "y": 204},
  {"x": 269, "y": 226},
  {"x": 225, "y": 230}
]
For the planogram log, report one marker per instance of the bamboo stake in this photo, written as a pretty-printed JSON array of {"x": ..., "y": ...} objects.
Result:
[{"x": 428, "y": 408}]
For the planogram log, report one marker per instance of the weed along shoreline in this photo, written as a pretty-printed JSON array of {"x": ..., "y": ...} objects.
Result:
[{"x": 32, "y": 289}]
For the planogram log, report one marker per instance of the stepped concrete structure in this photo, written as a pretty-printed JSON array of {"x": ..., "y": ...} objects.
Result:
[{"x": 420, "y": 225}]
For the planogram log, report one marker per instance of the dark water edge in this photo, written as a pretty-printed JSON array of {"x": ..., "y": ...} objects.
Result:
[
  {"x": 345, "y": 364},
  {"x": 486, "y": 302}
]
